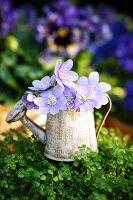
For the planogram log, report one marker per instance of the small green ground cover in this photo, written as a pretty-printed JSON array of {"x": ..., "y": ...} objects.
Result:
[{"x": 26, "y": 174}]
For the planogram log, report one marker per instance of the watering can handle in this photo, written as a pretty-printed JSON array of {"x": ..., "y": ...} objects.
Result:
[{"x": 104, "y": 117}]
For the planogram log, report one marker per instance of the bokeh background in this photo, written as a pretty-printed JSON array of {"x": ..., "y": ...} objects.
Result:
[{"x": 97, "y": 35}]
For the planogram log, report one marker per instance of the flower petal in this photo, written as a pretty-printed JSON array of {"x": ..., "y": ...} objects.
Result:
[
  {"x": 104, "y": 87},
  {"x": 44, "y": 110},
  {"x": 67, "y": 65},
  {"x": 101, "y": 100},
  {"x": 46, "y": 93},
  {"x": 82, "y": 81},
  {"x": 60, "y": 82},
  {"x": 57, "y": 67},
  {"x": 52, "y": 79},
  {"x": 72, "y": 76},
  {"x": 29, "y": 106},
  {"x": 94, "y": 78},
  {"x": 77, "y": 104},
  {"x": 36, "y": 84},
  {"x": 30, "y": 97},
  {"x": 45, "y": 79},
  {"x": 69, "y": 92},
  {"x": 61, "y": 103},
  {"x": 91, "y": 103},
  {"x": 33, "y": 88},
  {"x": 58, "y": 90},
  {"x": 54, "y": 109},
  {"x": 69, "y": 84},
  {"x": 82, "y": 90},
  {"x": 71, "y": 105},
  {"x": 39, "y": 101}
]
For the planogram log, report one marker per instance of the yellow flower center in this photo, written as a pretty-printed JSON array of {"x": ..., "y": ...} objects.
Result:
[
  {"x": 84, "y": 98},
  {"x": 52, "y": 100},
  {"x": 62, "y": 32},
  {"x": 69, "y": 99},
  {"x": 62, "y": 75}
]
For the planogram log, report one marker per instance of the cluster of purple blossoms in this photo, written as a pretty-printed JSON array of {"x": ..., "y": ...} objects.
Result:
[
  {"x": 60, "y": 92},
  {"x": 65, "y": 29},
  {"x": 8, "y": 17},
  {"x": 128, "y": 101}
]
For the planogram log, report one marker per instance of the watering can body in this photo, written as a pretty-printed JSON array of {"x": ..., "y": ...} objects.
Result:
[{"x": 68, "y": 130}]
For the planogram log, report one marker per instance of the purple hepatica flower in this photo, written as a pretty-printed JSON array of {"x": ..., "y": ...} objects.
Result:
[
  {"x": 51, "y": 101},
  {"x": 96, "y": 90},
  {"x": 43, "y": 84},
  {"x": 84, "y": 102},
  {"x": 70, "y": 95},
  {"x": 28, "y": 99},
  {"x": 128, "y": 101},
  {"x": 8, "y": 17},
  {"x": 63, "y": 75}
]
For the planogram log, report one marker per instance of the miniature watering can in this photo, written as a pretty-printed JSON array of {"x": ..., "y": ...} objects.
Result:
[{"x": 65, "y": 131}]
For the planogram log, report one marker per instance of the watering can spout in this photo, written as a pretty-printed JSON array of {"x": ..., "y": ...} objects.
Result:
[{"x": 18, "y": 113}]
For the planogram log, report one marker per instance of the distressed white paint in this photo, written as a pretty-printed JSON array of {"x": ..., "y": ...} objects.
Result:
[{"x": 68, "y": 130}]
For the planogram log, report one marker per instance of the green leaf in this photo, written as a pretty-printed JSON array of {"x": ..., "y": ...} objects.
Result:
[
  {"x": 9, "y": 59},
  {"x": 24, "y": 71},
  {"x": 43, "y": 178},
  {"x": 55, "y": 178},
  {"x": 50, "y": 171},
  {"x": 7, "y": 77},
  {"x": 21, "y": 173}
]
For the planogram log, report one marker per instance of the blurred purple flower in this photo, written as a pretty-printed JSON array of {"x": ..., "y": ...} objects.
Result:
[
  {"x": 106, "y": 13},
  {"x": 8, "y": 17},
  {"x": 46, "y": 56},
  {"x": 63, "y": 75},
  {"x": 65, "y": 29},
  {"x": 128, "y": 100},
  {"x": 28, "y": 99},
  {"x": 119, "y": 27},
  {"x": 119, "y": 47},
  {"x": 62, "y": 29},
  {"x": 70, "y": 95},
  {"x": 84, "y": 101},
  {"x": 97, "y": 91},
  {"x": 124, "y": 52},
  {"x": 43, "y": 84},
  {"x": 104, "y": 51},
  {"x": 108, "y": 35},
  {"x": 51, "y": 101},
  {"x": 63, "y": 13},
  {"x": 96, "y": 24}
]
